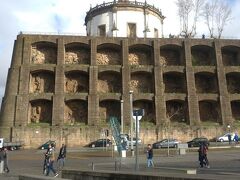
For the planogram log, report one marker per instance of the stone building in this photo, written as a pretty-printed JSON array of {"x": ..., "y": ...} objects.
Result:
[{"x": 62, "y": 80}]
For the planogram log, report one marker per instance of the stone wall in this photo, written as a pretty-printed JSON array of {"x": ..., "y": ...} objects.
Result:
[
  {"x": 74, "y": 136},
  {"x": 82, "y": 80}
]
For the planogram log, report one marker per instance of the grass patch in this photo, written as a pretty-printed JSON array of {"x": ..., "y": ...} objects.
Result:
[{"x": 38, "y": 125}]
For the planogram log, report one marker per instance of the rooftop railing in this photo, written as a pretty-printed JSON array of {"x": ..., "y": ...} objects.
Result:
[
  {"x": 129, "y": 3},
  {"x": 52, "y": 33},
  {"x": 84, "y": 34}
]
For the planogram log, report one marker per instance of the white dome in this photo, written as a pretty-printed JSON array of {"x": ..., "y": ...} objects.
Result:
[{"x": 124, "y": 19}]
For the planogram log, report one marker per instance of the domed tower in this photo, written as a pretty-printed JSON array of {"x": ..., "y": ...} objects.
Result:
[{"x": 125, "y": 18}]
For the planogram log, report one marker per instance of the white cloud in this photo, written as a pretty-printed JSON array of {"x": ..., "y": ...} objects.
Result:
[{"x": 68, "y": 16}]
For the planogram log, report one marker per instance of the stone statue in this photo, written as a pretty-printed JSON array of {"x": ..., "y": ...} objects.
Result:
[
  {"x": 77, "y": 57},
  {"x": 71, "y": 86},
  {"x": 162, "y": 61},
  {"x": 108, "y": 58},
  {"x": 37, "y": 84},
  {"x": 35, "y": 116},
  {"x": 138, "y": 58},
  {"x": 71, "y": 58},
  {"x": 37, "y": 56}
]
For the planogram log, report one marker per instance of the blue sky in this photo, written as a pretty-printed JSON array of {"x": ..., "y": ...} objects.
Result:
[{"x": 67, "y": 16}]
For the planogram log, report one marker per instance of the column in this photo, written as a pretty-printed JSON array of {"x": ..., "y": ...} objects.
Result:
[
  {"x": 193, "y": 106},
  {"x": 224, "y": 99},
  {"x": 58, "y": 97},
  {"x": 93, "y": 98},
  {"x": 126, "y": 77},
  {"x": 160, "y": 104}
]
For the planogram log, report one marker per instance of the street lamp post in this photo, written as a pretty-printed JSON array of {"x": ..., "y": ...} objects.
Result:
[
  {"x": 121, "y": 116},
  {"x": 131, "y": 119}
]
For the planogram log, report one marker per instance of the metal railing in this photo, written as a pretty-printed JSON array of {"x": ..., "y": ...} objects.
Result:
[
  {"x": 84, "y": 34},
  {"x": 130, "y": 3},
  {"x": 52, "y": 33}
]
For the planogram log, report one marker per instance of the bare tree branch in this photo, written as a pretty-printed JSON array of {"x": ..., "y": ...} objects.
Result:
[
  {"x": 217, "y": 13},
  {"x": 189, "y": 12}
]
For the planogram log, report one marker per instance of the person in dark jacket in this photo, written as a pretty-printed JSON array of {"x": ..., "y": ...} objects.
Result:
[
  {"x": 229, "y": 138},
  {"x": 62, "y": 156},
  {"x": 202, "y": 155},
  {"x": 5, "y": 160},
  {"x": 236, "y": 138},
  {"x": 150, "y": 156}
]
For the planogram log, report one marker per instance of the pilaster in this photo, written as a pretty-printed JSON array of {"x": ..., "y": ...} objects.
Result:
[
  {"x": 126, "y": 77},
  {"x": 193, "y": 105},
  {"x": 224, "y": 99}
]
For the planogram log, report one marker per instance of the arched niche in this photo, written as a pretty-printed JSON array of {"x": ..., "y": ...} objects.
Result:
[
  {"x": 40, "y": 111},
  {"x": 140, "y": 55},
  {"x": 76, "y": 82},
  {"x": 108, "y": 108},
  {"x": 172, "y": 55},
  {"x": 142, "y": 82},
  {"x": 76, "y": 112},
  {"x": 206, "y": 82},
  {"x": 177, "y": 111},
  {"x": 77, "y": 53},
  {"x": 109, "y": 54},
  {"x": 43, "y": 53},
  {"x": 235, "y": 107},
  {"x": 174, "y": 82},
  {"x": 203, "y": 56},
  {"x": 42, "y": 82},
  {"x": 231, "y": 55},
  {"x": 210, "y": 111},
  {"x": 149, "y": 113},
  {"x": 233, "y": 84},
  {"x": 109, "y": 82}
]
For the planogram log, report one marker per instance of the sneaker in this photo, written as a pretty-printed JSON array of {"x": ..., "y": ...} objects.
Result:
[
  {"x": 56, "y": 175},
  {"x": 208, "y": 166}
]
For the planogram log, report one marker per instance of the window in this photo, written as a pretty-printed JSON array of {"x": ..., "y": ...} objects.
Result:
[
  {"x": 131, "y": 30},
  {"x": 102, "y": 30},
  {"x": 155, "y": 32}
]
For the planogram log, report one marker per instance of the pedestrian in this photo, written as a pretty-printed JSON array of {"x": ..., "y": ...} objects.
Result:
[
  {"x": 50, "y": 158},
  {"x": 5, "y": 160},
  {"x": 150, "y": 156},
  {"x": 202, "y": 155},
  {"x": 229, "y": 138},
  {"x": 62, "y": 156},
  {"x": 46, "y": 160},
  {"x": 236, "y": 138}
]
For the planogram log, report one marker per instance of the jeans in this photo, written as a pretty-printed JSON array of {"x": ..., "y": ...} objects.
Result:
[
  {"x": 50, "y": 168},
  {"x": 61, "y": 163},
  {"x": 150, "y": 162}
]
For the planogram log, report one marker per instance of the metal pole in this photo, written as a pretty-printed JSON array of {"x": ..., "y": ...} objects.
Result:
[
  {"x": 131, "y": 119},
  {"x": 121, "y": 116},
  {"x": 168, "y": 140},
  {"x": 136, "y": 158},
  {"x": 115, "y": 165},
  {"x": 93, "y": 168}
]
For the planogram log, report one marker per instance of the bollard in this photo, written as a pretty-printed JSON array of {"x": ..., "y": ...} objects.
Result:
[
  {"x": 93, "y": 166},
  {"x": 115, "y": 165},
  {"x": 120, "y": 165}
]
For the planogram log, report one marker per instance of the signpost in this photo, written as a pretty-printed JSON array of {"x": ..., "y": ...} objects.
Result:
[{"x": 136, "y": 114}]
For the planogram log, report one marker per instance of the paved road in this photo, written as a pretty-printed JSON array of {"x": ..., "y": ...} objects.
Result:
[{"x": 223, "y": 162}]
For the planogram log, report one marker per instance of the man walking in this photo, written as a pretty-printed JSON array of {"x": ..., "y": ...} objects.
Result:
[
  {"x": 150, "y": 156},
  {"x": 202, "y": 152},
  {"x": 62, "y": 156},
  {"x": 50, "y": 160},
  {"x": 5, "y": 160}
]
